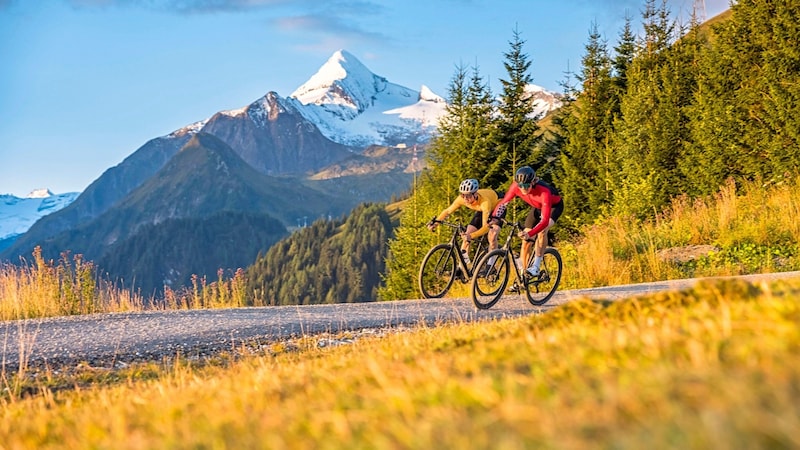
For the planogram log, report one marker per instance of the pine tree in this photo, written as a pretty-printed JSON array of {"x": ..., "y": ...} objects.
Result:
[
  {"x": 647, "y": 153},
  {"x": 518, "y": 134},
  {"x": 747, "y": 100},
  {"x": 586, "y": 161},
  {"x": 458, "y": 152},
  {"x": 624, "y": 53},
  {"x": 770, "y": 61}
]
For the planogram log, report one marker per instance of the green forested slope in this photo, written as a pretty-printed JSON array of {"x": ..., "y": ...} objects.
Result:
[
  {"x": 673, "y": 111},
  {"x": 338, "y": 261}
]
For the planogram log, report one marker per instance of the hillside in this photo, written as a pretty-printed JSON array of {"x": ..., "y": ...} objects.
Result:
[{"x": 201, "y": 189}]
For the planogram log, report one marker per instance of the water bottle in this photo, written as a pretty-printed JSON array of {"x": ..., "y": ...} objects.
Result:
[{"x": 466, "y": 256}]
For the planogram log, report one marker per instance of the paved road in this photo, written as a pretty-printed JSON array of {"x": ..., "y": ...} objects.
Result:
[{"x": 106, "y": 340}]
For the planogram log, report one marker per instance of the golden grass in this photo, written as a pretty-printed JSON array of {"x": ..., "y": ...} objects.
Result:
[
  {"x": 67, "y": 287},
  {"x": 71, "y": 286},
  {"x": 715, "y": 367},
  {"x": 753, "y": 231}
]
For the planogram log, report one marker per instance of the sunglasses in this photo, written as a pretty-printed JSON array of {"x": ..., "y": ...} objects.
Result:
[
  {"x": 468, "y": 196},
  {"x": 524, "y": 185}
]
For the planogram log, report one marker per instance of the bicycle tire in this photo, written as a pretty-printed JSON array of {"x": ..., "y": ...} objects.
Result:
[
  {"x": 541, "y": 289},
  {"x": 490, "y": 279},
  {"x": 437, "y": 272}
]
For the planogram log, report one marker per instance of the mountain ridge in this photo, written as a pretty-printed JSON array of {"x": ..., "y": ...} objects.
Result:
[{"x": 275, "y": 157}]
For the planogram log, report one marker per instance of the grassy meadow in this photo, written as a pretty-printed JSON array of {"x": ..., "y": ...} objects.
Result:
[
  {"x": 717, "y": 366},
  {"x": 714, "y": 367}
]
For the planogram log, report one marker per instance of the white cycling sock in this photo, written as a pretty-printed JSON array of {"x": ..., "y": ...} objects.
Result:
[{"x": 534, "y": 269}]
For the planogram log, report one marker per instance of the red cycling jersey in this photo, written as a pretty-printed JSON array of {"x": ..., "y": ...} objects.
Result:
[{"x": 541, "y": 196}]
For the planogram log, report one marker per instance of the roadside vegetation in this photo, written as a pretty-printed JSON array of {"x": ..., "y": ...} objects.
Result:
[{"x": 755, "y": 231}]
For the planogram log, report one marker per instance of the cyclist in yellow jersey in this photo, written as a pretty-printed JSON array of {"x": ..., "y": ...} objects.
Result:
[{"x": 483, "y": 201}]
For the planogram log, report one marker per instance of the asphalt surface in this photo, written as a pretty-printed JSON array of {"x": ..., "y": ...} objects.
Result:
[{"x": 115, "y": 339}]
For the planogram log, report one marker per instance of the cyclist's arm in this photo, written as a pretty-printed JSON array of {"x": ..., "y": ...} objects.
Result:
[
  {"x": 512, "y": 192},
  {"x": 546, "y": 208},
  {"x": 457, "y": 203}
]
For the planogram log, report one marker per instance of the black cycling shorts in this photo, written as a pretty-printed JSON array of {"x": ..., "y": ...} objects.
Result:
[
  {"x": 477, "y": 219},
  {"x": 535, "y": 214}
]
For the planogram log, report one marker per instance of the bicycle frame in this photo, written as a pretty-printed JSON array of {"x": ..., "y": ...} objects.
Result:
[
  {"x": 515, "y": 229},
  {"x": 459, "y": 229},
  {"x": 437, "y": 273}
]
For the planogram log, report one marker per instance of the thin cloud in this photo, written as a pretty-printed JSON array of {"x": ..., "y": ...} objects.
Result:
[
  {"x": 326, "y": 25},
  {"x": 215, "y": 6}
]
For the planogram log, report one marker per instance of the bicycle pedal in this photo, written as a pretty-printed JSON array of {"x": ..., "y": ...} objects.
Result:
[{"x": 515, "y": 289}]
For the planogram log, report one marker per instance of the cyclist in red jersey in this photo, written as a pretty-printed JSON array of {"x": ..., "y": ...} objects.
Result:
[{"x": 546, "y": 207}]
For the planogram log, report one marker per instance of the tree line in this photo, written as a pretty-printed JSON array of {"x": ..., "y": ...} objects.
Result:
[{"x": 673, "y": 110}]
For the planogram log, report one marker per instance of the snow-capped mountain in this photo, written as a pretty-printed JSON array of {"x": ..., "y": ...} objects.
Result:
[
  {"x": 353, "y": 106},
  {"x": 544, "y": 101},
  {"x": 18, "y": 214}
]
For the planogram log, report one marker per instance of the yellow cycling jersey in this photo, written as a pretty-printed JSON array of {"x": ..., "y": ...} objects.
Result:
[{"x": 487, "y": 199}]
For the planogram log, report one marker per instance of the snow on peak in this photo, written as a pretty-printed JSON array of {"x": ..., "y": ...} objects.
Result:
[
  {"x": 353, "y": 106},
  {"x": 18, "y": 214},
  {"x": 426, "y": 94},
  {"x": 534, "y": 88},
  {"x": 189, "y": 129},
  {"x": 39, "y": 193},
  {"x": 544, "y": 101},
  {"x": 341, "y": 80}
]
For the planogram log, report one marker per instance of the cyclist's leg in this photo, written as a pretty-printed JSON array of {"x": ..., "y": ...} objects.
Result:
[
  {"x": 542, "y": 238},
  {"x": 474, "y": 224},
  {"x": 530, "y": 221},
  {"x": 494, "y": 230}
]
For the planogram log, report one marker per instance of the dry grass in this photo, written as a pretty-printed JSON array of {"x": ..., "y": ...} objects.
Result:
[
  {"x": 754, "y": 231},
  {"x": 67, "y": 287},
  {"x": 715, "y": 367},
  {"x": 71, "y": 286}
]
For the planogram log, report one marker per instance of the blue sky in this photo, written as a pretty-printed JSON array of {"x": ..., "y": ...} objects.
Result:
[{"x": 84, "y": 83}]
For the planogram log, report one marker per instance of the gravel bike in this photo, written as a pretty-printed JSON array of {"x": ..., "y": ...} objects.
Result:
[
  {"x": 492, "y": 274},
  {"x": 445, "y": 263}
]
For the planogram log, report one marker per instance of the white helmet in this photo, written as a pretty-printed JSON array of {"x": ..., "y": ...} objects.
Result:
[{"x": 468, "y": 186}]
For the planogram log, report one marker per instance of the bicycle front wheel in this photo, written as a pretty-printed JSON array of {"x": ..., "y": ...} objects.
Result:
[
  {"x": 437, "y": 272},
  {"x": 490, "y": 279},
  {"x": 539, "y": 290}
]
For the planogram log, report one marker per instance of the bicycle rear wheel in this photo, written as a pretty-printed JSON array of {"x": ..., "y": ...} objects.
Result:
[
  {"x": 490, "y": 279},
  {"x": 540, "y": 290},
  {"x": 437, "y": 272}
]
